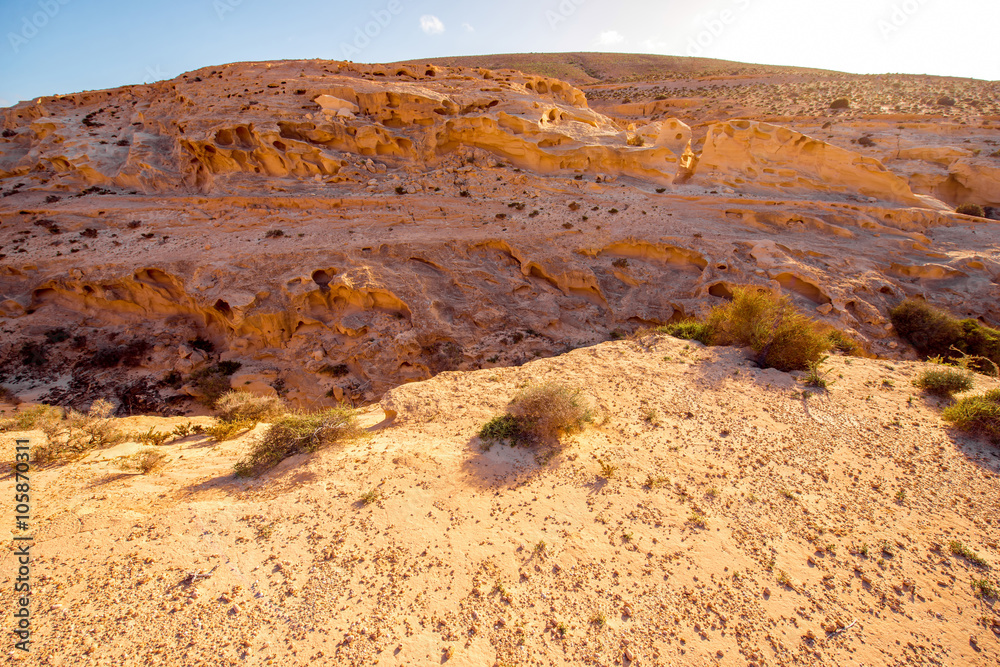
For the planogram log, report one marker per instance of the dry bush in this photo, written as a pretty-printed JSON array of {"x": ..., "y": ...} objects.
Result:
[
  {"x": 36, "y": 417},
  {"x": 146, "y": 460},
  {"x": 296, "y": 433},
  {"x": 971, "y": 209},
  {"x": 242, "y": 405},
  {"x": 68, "y": 435},
  {"x": 224, "y": 430},
  {"x": 779, "y": 335},
  {"x": 979, "y": 415},
  {"x": 539, "y": 414},
  {"x": 933, "y": 332},
  {"x": 7, "y": 396},
  {"x": 93, "y": 430},
  {"x": 151, "y": 437}
]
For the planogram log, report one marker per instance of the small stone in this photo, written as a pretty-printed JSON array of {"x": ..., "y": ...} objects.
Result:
[
  {"x": 629, "y": 654},
  {"x": 767, "y": 591}
]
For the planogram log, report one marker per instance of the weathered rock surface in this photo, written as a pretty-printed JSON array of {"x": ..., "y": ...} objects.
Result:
[{"x": 340, "y": 228}]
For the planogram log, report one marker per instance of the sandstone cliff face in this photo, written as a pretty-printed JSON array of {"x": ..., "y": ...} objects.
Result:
[
  {"x": 755, "y": 156},
  {"x": 339, "y": 229},
  {"x": 182, "y": 134}
]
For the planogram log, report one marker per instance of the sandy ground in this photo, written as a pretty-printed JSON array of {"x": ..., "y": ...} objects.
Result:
[{"x": 827, "y": 518}]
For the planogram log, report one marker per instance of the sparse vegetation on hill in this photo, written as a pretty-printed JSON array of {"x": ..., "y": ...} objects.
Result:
[
  {"x": 297, "y": 433},
  {"x": 933, "y": 332},
  {"x": 68, "y": 434},
  {"x": 539, "y": 414}
]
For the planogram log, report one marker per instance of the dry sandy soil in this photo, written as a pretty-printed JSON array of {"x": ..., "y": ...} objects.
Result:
[
  {"x": 422, "y": 240},
  {"x": 827, "y": 519}
]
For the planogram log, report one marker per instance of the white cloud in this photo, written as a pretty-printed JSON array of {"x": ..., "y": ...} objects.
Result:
[
  {"x": 468, "y": 28},
  {"x": 654, "y": 46},
  {"x": 610, "y": 38},
  {"x": 431, "y": 24}
]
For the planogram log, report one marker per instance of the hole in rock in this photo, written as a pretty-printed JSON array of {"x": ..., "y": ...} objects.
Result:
[
  {"x": 321, "y": 278},
  {"x": 243, "y": 135},
  {"x": 720, "y": 290},
  {"x": 223, "y": 308}
]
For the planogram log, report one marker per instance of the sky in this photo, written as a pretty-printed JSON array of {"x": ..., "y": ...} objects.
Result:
[{"x": 63, "y": 46}]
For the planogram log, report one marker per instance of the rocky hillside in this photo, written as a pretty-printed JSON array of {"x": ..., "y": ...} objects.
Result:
[{"x": 328, "y": 230}]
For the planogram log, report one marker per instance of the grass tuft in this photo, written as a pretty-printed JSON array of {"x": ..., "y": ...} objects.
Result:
[
  {"x": 944, "y": 381},
  {"x": 979, "y": 414}
]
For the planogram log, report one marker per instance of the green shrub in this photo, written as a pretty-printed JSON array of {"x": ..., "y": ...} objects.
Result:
[
  {"x": 979, "y": 415},
  {"x": 934, "y": 332},
  {"x": 971, "y": 209},
  {"x": 242, "y": 405},
  {"x": 779, "y": 335},
  {"x": 689, "y": 330},
  {"x": 817, "y": 378},
  {"x": 539, "y": 414},
  {"x": 944, "y": 381},
  {"x": 501, "y": 428},
  {"x": 297, "y": 432}
]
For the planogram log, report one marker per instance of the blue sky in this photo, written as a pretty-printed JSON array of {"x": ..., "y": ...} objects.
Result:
[{"x": 62, "y": 46}]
